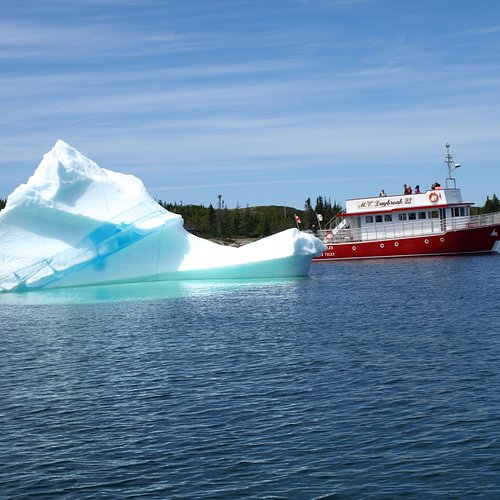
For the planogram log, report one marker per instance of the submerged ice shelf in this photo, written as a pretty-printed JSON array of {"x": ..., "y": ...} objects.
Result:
[{"x": 74, "y": 223}]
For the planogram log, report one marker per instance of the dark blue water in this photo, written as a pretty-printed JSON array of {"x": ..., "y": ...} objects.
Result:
[{"x": 375, "y": 379}]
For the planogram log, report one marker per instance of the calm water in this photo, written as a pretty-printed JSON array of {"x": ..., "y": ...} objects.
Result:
[{"x": 366, "y": 380}]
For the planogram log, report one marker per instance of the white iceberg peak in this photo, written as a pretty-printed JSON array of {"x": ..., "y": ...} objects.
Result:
[
  {"x": 75, "y": 223},
  {"x": 70, "y": 182},
  {"x": 62, "y": 149}
]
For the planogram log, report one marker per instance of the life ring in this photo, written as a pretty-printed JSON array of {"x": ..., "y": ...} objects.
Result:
[{"x": 433, "y": 197}]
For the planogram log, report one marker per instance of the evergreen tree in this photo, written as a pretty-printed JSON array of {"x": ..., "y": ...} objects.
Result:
[
  {"x": 234, "y": 221},
  {"x": 320, "y": 206},
  {"x": 212, "y": 221},
  {"x": 492, "y": 205},
  {"x": 310, "y": 217}
]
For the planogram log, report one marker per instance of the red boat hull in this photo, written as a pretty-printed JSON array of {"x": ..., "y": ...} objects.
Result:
[{"x": 466, "y": 241}]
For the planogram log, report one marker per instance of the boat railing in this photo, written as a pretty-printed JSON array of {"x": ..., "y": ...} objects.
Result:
[
  {"x": 404, "y": 229},
  {"x": 336, "y": 223},
  {"x": 484, "y": 220}
]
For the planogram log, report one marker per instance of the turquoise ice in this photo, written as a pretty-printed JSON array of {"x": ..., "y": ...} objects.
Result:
[{"x": 74, "y": 223}]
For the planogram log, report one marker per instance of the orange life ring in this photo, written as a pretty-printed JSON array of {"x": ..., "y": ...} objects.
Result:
[{"x": 433, "y": 197}]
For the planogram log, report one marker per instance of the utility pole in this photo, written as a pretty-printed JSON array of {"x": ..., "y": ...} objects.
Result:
[{"x": 219, "y": 217}]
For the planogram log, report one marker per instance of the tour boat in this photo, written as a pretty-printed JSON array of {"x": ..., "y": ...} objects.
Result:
[{"x": 434, "y": 222}]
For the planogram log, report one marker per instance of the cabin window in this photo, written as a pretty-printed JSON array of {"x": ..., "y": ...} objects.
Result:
[
  {"x": 422, "y": 215},
  {"x": 458, "y": 211},
  {"x": 402, "y": 216},
  {"x": 388, "y": 218},
  {"x": 434, "y": 214},
  {"x": 412, "y": 216},
  {"x": 378, "y": 218},
  {"x": 369, "y": 219}
]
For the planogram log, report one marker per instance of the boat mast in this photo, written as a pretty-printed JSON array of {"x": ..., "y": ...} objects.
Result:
[{"x": 451, "y": 166}]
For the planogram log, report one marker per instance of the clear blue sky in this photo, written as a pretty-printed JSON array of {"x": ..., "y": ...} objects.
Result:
[{"x": 262, "y": 101}]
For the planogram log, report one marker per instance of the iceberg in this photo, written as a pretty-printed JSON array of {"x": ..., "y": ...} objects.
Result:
[{"x": 74, "y": 223}]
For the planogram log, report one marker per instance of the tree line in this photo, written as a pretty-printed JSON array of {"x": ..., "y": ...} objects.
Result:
[
  {"x": 225, "y": 223},
  {"x": 491, "y": 205}
]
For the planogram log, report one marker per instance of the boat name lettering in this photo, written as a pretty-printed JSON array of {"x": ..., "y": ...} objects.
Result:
[{"x": 386, "y": 203}]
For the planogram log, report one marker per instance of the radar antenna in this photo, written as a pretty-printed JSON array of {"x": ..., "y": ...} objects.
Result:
[{"x": 451, "y": 166}]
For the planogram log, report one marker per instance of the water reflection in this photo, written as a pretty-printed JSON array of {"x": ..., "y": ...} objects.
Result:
[{"x": 162, "y": 290}]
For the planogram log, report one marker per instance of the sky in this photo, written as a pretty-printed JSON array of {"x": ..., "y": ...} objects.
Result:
[{"x": 264, "y": 102}]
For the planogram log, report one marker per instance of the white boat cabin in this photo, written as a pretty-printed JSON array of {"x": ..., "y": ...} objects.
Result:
[{"x": 403, "y": 215}]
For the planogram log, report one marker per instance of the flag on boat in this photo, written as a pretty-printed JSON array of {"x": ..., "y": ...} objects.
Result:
[
  {"x": 297, "y": 219},
  {"x": 319, "y": 217}
]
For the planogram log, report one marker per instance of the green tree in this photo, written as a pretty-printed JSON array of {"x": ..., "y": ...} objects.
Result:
[
  {"x": 491, "y": 205},
  {"x": 310, "y": 217}
]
